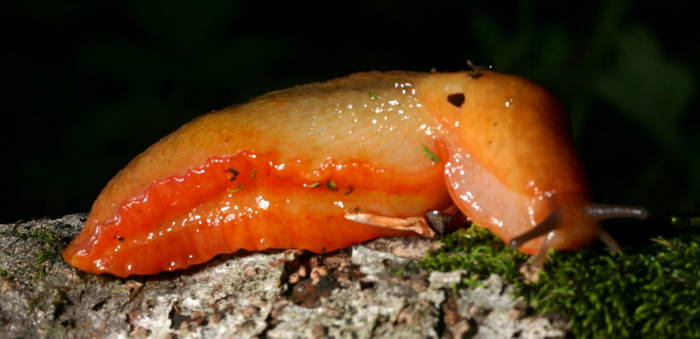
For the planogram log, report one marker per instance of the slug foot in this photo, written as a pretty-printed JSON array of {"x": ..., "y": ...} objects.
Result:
[{"x": 416, "y": 224}]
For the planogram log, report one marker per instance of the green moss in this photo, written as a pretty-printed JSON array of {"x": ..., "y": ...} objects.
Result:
[
  {"x": 44, "y": 255},
  {"x": 43, "y": 236},
  {"x": 478, "y": 252},
  {"x": 651, "y": 290},
  {"x": 49, "y": 245},
  {"x": 42, "y": 259}
]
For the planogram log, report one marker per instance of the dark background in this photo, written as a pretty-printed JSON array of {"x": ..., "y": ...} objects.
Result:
[{"x": 87, "y": 85}]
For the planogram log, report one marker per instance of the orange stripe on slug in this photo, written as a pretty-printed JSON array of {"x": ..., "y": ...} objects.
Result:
[{"x": 185, "y": 220}]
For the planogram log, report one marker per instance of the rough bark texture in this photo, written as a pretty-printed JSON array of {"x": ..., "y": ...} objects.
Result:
[{"x": 368, "y": 291}]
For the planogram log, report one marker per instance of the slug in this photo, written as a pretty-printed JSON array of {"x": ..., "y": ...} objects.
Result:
[{"x": 326, "y": 165}]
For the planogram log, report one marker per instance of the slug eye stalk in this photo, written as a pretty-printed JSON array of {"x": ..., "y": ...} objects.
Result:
[{"x": 604, "y": 212}]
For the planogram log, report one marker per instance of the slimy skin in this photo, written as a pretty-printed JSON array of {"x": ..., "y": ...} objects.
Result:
[
  {"x": 511, "y": 160},
  {"x": 285, "y": 169}
]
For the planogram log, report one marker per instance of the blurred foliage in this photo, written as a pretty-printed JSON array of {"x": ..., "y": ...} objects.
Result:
[{"x": 88, "y": 85}]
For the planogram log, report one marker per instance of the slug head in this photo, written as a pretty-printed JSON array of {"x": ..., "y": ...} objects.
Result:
[
  {"x": 512, "y": 167},
  {"x": 574, "y": 223},
  {"x": 513, "y": 128}
]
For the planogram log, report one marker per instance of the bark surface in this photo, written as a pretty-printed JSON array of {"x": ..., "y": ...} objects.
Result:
[{"x": 375, "y": 290}]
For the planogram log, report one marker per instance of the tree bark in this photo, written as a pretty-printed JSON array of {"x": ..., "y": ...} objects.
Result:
[{"x": 367, "y": 291}]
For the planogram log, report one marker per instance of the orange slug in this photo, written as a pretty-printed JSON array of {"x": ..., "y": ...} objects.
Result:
[{"x": 327, "y": 165}]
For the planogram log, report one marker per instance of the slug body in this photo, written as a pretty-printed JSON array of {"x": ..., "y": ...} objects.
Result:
[{"x": 285, "y": 169}]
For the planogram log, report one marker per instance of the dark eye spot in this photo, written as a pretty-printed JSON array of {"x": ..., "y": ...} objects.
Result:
[{"x": 456, "y": 99}]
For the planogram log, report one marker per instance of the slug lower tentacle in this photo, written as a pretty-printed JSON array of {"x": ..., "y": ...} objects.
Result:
[
  {"x": 544, "y": 228},
  {"x": 609, "y": 241}
]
